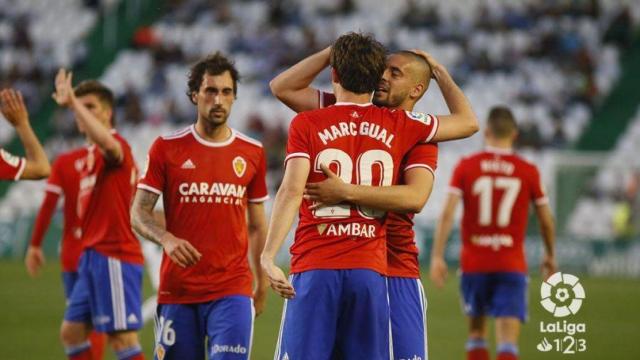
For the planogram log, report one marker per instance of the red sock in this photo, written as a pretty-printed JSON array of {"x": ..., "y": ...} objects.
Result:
[
  {"x": 98, "y": 342},
  {"x": 507, "y": 356},
  {"x": 83, "y": 355},
  {"x": 478, "y": 354}
]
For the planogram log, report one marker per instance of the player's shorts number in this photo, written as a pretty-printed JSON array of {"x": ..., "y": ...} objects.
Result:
[
  {"x": 365, "y": 165},
  {"x": 484, "y": 187},
  {"x": 165, "y": 332}
]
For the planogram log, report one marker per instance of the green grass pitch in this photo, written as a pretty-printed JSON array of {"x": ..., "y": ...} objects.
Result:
[{"x": 31, "y": 309}]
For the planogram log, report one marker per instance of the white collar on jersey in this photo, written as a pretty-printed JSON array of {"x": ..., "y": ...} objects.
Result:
[
  {"x": 350, "y": 103},
  {"x": 211, "y": 143},
  {"x": 497, "y": 150}
]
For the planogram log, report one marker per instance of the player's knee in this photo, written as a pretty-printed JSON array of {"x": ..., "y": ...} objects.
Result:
[
  {"x": 72, "y": 334},
  {"x": 123, "y": 340}
]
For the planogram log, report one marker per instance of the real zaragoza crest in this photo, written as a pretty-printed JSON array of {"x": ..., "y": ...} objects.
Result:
[{"x": 239, "y": 166}]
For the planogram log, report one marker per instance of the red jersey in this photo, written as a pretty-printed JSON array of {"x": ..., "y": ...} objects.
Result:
[
  {"x": 206, "y": 187},
  {"x": 64, "y": 181},
  {"x": 496, "y": 187},
  {"x": 104, "y": 199},
  {"x": 364, "y": 144},
  {"x": 11, "y": 166},
  {"x": 402, "y": 252}
]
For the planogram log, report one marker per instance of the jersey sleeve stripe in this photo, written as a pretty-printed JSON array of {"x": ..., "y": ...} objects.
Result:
[
  {"x": 53, "y": 189},
  {"x": 149, "y": 188},
  {"x": 177, "y": 134},
  {"x": 434, "y": 130},
  {"x": 23, "y": 164},
  {"x": 259, "y": 200},
  {"x": 295, "y": 155},
  {"x": 542, "y": 201},
  {"x": 248, "y": 139},
  {"x": 454, "y": 190},
  {"x": 413, "y": 166}
]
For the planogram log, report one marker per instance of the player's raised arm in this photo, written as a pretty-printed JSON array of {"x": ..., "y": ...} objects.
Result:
[
  {"x": 438, "y": 267},
  {"x": 15, "y": 111},
  {"x": 95, "y": 130},
  {"x": 257, "y": 227},
  {"x": 408, "y": 198},
  {"x": 285, "y": 208},
  {"x": 145, "y": 223},
  {"x": 293, "y": 86},
  {"x": 462, "y": 122}
]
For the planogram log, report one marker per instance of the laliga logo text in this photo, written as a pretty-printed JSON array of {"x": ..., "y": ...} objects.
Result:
[{"x": 562, "y": 295}]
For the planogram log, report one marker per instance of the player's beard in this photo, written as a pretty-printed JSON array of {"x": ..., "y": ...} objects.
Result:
[
  {"x": 388, "y": 99},
  {"x": 217, "y": 118}
]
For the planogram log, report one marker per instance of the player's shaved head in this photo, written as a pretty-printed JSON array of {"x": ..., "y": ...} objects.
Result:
[
  {"x": 501, "y": 122},
  {"x": 419, "y": 67}
]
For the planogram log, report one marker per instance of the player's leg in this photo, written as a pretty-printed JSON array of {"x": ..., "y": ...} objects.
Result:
[
  {"x": 96, "y": 340},
  {"x": 476, "y": 291},
  {"x": 509, "y": 307},
  {"x": 229, "y": 327},
  {"x": 179, "y": 332},
  {"x": 76, "y": 325},
  {"x": 116, "y": 299},
  {"x": 408, "y": 305},
  {"x": 364, "y": 326},
  {"x": 309, "y": 320}
]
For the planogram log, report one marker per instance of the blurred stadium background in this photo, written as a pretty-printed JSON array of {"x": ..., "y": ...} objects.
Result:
[{"x": 568, "y": 68}]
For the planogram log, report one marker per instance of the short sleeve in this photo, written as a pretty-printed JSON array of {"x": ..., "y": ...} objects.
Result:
[
  {"x": 153, "y": 175},
  {"x": 11, "y": 166},
  {"x": 257, "y": 189},
  {"x": 55, "y": 180},
  {"x": 424, "y": 126},
  {"x": 422, "y": 156},
  {"x": 298, "y": 139},
  {"x": 325, "y": 99},
  {"x": 456, "y": 182},
  {"x": 538, "y": 193}
]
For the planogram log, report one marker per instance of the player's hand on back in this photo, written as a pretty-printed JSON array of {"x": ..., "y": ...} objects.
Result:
[
  {"x": 13, "y": 108},
  {"x": 277, "y": 279},
  {"x": 549, "y": 266},
  {"x": 180, "y": 251},
  {"x": 34, "y": 260},
  {"x": 64, "y": 89},
  {"x": 438, "y": 271},
  {"x": 327, "y": 192}
]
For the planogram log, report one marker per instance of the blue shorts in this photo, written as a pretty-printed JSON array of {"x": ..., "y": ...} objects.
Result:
[
  {"x": 227, "y": 323},
  {"x": 107, "y": 294},
  {"x": 69, "y": 279},
  {"x": 408, "y": 305},
  {"x": 501, "y": 294},
  {"x": 336, "y": 314}
]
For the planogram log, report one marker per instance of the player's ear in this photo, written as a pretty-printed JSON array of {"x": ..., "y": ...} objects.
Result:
[
  {"x": 194, "y": 97},
  {"x": 417, "y": 91}
]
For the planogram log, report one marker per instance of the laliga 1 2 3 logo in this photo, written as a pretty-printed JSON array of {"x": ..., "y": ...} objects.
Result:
[{"x": 562, "y": 294}]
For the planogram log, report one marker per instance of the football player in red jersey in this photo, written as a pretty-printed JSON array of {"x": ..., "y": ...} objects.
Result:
[
  {"x": 212, "y": 180},
  {"x": 496, "y": 187},
  {"x": 35, "y": 165},
  {"x": 341, "y": 245},
  {"x": 404, "y": 81},
  {"x": 64, "y": 181},
  {"x": 107, "y": 294}
]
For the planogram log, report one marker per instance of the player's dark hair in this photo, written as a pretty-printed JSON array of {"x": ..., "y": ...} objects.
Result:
[
  {"x": 501, "y": 122},
  {"x": 215, "y": 64},
  {"x": 103, "y": 93},
  {"x": 359, "y": 61}
]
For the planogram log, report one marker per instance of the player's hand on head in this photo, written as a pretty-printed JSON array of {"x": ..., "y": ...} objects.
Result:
[
  {"x": 63, "y": 93},
  {"x": 34, "y": 260},
  {"x": 438, "y": 271},
  {"x": 278, "y": 281},
  {"x": 180, "y": 251},
  {"x": 13, "y": 108},
  {"x": 436, "y": 67},
  {"x": 328, "y": 192}
]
